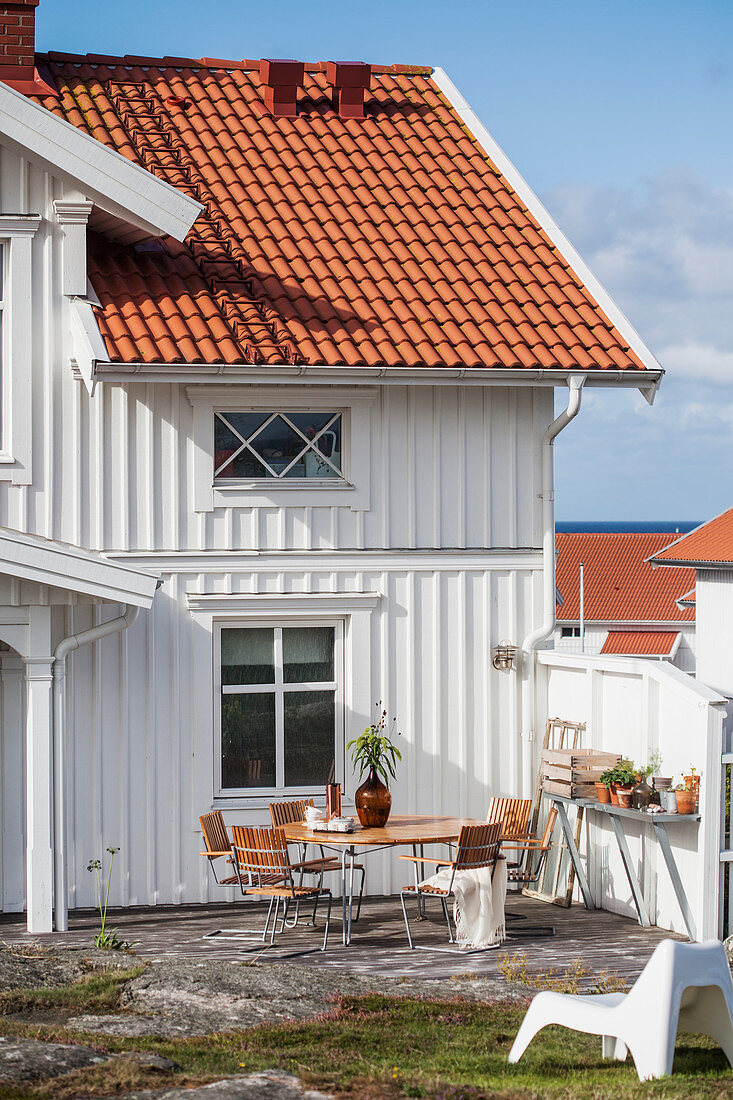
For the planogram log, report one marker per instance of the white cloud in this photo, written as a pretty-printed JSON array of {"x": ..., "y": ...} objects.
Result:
[{"x": 663, "y": 248}]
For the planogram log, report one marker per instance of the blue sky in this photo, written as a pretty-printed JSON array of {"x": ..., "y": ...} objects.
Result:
[{"x": 618, "y": 114}]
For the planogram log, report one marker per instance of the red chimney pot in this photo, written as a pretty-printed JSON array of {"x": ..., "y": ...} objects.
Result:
[
  {"x": 281, "y": 79},
  {"x": 350, "y": 80}
]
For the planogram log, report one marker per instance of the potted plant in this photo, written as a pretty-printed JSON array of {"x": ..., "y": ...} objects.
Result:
[
  {"x": 692, "y": 782},
  {"x": 620, "y": 778},
  {"x": 603, "y": 786},
  {"x": 374, "y": 753},
  {"x": 686, "y": 797}
]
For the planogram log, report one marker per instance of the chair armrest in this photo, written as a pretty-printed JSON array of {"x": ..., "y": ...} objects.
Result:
[
  {"x": 428, "y": 859},
  {"x": 524, "y": 846},
  {"x": 213, "y": 855}
]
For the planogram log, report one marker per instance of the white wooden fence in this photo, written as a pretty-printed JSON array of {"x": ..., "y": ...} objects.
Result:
[{"x": 634, "y": 706}]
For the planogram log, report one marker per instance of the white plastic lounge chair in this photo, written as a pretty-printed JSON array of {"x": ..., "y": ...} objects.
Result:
[{"x": 683, "y": 987}]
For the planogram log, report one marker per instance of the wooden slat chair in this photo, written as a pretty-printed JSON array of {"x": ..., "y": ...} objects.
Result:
[
  {"x": 514, "y": 815},
  {"x": 531, "y": 846},
  {"x": 264, "y": 869},
  {"x": 218, "y": 845},
  {"x": 477, "y": 846},
  {"x": 289, "y": 813}
]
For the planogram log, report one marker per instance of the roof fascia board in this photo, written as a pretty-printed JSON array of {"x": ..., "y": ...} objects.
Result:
[
  {"x": 47, "y": 562},
  {"x": 86, "y": 340},
  {"x": 473, "y": 123},
  {"x": 701, "y": 565},
  {"x": 109, "y": 179},
  {"x": 655, "y": 561},
  {"x": 340, "y": 375}
]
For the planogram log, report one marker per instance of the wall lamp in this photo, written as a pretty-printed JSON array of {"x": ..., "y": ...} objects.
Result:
[{"x": 504, "y": 655}]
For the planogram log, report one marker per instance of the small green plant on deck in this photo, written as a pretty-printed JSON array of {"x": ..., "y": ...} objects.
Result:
[{"x": 106, "y": 939}]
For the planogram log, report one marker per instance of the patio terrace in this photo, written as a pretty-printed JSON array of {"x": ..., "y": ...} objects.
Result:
[{"x": 602, "y": 940}]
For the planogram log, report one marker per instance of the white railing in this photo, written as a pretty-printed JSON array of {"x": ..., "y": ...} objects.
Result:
[
  {"x": 634, "y": 707},
  {"x": 726, "y": 838}
]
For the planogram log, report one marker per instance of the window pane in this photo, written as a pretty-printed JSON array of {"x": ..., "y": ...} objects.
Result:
[
  {"x": 248, "y": 740},
  {"x": 247, "y": 655},
  {"x": 278, "y": 443},
  {"x": 246, "y": 465},
  {"x": 310, "y": 423},
  {"x": 307, "y": 654},
  {"x": 246, "y": 423},
  {"x": 328, "y": 444},
  {"x": 309, "y": 738},
  {"x": 225, "y": 444}
]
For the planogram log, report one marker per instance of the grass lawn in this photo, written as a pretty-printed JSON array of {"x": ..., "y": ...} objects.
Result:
[{"x": 369, "y": 1048}]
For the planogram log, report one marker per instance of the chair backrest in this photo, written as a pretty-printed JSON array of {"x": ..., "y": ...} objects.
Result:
[
  {"x": 514, "y": 815},
  {"x": 285, "y": 813},
  {"x": 261, "y": 854},
  {"x": 478, "y": 846},
  {"x": 549, "y": 827},
  {"x": 215, "y": 832}
]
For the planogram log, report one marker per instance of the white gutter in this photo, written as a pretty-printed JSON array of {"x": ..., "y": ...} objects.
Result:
[
  {"x": 66, "y": 646},
  {"x": 540, "y": 633}
]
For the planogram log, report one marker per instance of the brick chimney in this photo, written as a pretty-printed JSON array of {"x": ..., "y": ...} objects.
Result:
[
  {"x": 17, "y": 41},
  {"x": 350, "y": 80},
  {"x": 281, "y": 81}
]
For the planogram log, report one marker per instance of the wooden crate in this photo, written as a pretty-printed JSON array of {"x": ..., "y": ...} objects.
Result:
[{"x": 574, "y": 772}]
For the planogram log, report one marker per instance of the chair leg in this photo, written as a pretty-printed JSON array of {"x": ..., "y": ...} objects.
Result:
[
  {"x": 328, "y": 920},
  {"x": 447, "y": 920},
  {"x": 361, "y": 893},
  {"x": 407, "y": 923}
]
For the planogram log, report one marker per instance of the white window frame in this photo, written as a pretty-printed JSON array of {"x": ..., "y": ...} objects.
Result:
[
  {"x": 355, "y": 405},
  {"x": 306, "y": 482},
  {"x": 279, "y": 689},
  {"x": 16, "y": 379}
]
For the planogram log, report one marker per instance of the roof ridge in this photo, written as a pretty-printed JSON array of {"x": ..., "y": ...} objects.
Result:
[{"x": 248, "y": 64}]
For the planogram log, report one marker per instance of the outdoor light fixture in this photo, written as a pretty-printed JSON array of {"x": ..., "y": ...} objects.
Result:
[{"x": 504, "y": 655}]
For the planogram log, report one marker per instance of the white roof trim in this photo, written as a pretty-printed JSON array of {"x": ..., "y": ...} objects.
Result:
[
  {"x": 112, "y": 182},
  {"x": 86, "y": 341},
  {"x": 471, "y": 120},
  {"x": 45, "y": 561}
]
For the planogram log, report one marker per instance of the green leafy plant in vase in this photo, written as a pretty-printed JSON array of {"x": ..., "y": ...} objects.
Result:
[{"x": 373, "y": 754}]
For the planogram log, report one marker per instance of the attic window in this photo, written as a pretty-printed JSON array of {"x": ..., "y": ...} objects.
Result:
[{"x": 274, "y": 445}]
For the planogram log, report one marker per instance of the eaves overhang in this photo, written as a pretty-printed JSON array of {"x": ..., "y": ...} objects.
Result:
[
  {"x": 73, "y": 569},
  {"x": 647, "y": 381},
  {"x": 115, "y": 184}
]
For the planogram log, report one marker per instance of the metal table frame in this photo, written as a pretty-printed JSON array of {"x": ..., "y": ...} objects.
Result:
[{"x": 617, "y": 814}]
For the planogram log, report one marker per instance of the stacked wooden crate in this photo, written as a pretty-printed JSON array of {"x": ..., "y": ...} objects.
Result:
[{"x": 574, "y": 772}]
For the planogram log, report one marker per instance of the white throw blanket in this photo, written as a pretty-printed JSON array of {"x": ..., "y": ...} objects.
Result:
[{"x": 478, "y": 906}]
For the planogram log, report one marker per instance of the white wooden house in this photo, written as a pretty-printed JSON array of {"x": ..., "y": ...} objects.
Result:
[{"x": 312, "y": 445}]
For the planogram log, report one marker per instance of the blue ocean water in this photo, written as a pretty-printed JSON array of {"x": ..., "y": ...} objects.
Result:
[{"x": 636, "y": 526}]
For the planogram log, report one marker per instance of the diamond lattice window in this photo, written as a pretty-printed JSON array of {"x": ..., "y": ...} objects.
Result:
[{"x": 283, "y": 445}]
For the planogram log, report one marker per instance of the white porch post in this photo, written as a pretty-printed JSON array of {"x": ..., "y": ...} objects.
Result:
[
  {"x": 12, "y": 782},
  {"x": 39, "y": 773}
]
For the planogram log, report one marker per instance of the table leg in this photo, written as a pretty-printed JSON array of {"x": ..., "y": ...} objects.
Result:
[
  {"x": 574, "y": 854},
  {"x": 343, "y": 897},
  {"x": 630, "y": 872},
  {"x": 351, "y": 892},
  {"x": 679, "y": 890}
]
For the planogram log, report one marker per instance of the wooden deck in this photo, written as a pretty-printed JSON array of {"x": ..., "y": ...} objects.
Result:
[{"x": 379, "y": 945}]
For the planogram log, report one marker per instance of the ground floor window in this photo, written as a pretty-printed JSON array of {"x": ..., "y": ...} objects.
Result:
[{"x": 279, "y": 705}]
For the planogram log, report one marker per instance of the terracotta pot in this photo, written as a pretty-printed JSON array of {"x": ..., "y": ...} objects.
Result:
[
  {"x": 625, "y": 798},
  {"x": 613, "y": 792},
  {"x": 685, "y": 802},
  {"x": 692, "y": 782},
  {"x": 603, "y": 793},
  {"x": 373, "y": 801}
]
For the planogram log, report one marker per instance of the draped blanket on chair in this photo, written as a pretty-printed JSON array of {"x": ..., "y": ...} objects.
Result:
[{"x": 478, "y": 906}]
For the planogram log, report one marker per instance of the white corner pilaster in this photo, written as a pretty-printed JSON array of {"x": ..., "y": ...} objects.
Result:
[
  {"x": 12, "y": 782},
  {"x": 73, "y": 216},
  {"x": 39, "y": 772}
]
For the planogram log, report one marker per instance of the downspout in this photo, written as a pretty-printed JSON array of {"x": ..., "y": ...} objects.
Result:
[
  {"x": 540, "y": 633},
  {"x": 66, "y": 646}
]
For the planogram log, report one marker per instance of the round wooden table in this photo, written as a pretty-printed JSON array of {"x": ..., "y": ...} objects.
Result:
[{"x": 413, "y": 829}]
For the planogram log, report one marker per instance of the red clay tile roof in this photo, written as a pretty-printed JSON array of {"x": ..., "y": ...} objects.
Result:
[
  {"x": 620, "y": 585},
  {"x": 640, "y": 643},
  {"x": 710, "y": 544},
  {"x": 391, "y": 240}
]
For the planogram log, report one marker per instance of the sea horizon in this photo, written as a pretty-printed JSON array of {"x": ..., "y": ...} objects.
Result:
[{"x": 634, "y": 526}]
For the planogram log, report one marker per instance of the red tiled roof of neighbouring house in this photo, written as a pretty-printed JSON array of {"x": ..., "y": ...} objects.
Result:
[
  {"x": 388, "y": 241},
  {"x": 641, "y": 643},
  {"x": 709, "y": 544},
  {"x": 688, "y": 599},
  {"x": 619, "y": 584}
]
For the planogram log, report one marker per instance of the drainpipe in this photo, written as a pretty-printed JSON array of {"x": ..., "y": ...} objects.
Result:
[
  {"x": 532, "y": 641},
  {"x": 74, "y": 641}
]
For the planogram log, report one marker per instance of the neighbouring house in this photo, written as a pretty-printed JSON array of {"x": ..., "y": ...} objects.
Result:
[
  {"x": 628, "y": 608},
  {"x": 280, "y": 349},
  {"x": 707, "y": 552}
]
